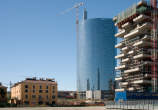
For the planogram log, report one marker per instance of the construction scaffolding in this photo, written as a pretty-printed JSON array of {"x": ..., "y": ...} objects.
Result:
[{"x": 137, "y": 26}]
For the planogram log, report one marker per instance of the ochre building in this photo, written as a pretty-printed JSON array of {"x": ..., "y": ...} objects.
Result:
[{"x": 34, "y": 91}]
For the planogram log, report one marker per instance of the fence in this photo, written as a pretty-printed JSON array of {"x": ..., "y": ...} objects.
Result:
[{"x": 133, "y": 105}]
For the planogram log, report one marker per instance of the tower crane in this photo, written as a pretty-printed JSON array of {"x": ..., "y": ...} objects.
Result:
[{"x": 76, "y": 6}]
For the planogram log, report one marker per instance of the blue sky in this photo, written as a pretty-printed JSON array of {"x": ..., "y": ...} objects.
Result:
[{"x": 36, "y": 41}]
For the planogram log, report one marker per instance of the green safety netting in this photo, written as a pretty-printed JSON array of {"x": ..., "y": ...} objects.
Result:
[
  {"x": 141, "y": 9},
  {"x": 130, "y": 11}
]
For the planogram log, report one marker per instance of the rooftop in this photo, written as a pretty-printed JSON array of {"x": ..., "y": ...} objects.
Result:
[
  {"x": 35, "y": 80},
  {"x": 135, "y": 9},
  {"x": 1, "y": 86}
]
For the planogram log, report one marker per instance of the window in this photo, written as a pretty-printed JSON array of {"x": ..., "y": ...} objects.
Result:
[
  {"x": 53, "y": 87},
  {"x": 26, "y": 90},
  {"x": 33, "y": 103},
  {"x": 33, "y": 96},
  {"x": 26, "y": 102},
  {"x": 26, "y": 96},
  {"x": 53, "y": 91},
  {"x": 46, "y": 87},
  {"x": 40, "y": 102},
  {"x": 47, "y": 97},
  {"x": 40, "y": 97},
  {"x": 40, "y": 91},
  {"x": 26, "y": 86},
  {"x": 46, "y": 91},
  {"x": 33, "y": 87},
  {"x": 33, "y": 91},
  {"x": 40, "y": 87},
  {"x": 47, "y": 103},
  {"x": 53, "y": 97}
]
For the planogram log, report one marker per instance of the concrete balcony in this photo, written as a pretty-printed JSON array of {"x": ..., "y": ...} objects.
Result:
[
  {"x": 116, "y": 24},
  {"x": 142, "y": 44},
  {"x": 120, "y": 34},
  {"x": 124, "y": 49},
  {"x": 145, "y": 26},
  {"x": 119, "y": 56},
  {"x": 114, "y": 18},
  {"x": 130, "y": 52},
  {"x": 125, "y": 60},
  {"x": 148, "y": 62},
  {"x": 131, "y": 89},
  {"x": 141, "y": 82},
  {"x": 138, "y": 30},
  {"x": 147, "y": 75},
  {"x": 118, "y": 79},
  {"x": 132, "y": 34},
  {"x": 126, "y": 25},
  {"x": 140, "y": 56},
  {"x": 119, "y": 45},
  {"x": 146, "y": 38},
  {"x": 124, "y": 83},
  {"x": 132, "y": 70},
  {"x": 140, "y": 18},
  {"x": 119, "y": 90},
  {"x": 142, "y": 2},
  {"x": 120, "y": 67}
]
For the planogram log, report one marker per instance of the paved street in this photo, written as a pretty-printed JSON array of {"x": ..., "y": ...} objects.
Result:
[{"x": 55, "y": 108}]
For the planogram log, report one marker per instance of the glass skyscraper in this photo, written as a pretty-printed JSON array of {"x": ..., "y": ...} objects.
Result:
[{"x": 95, "y": 54}]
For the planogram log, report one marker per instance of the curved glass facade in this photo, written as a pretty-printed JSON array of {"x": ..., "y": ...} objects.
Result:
[{"x": 95, "y": 54}]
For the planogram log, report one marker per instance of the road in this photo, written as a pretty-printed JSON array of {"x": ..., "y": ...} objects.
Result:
[{"x": 55, "y": 108}]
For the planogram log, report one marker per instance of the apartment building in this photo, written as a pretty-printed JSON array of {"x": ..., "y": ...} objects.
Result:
[
  {"x": 3, "y": 94},
  {"x": 138, "y": 57},
  {"x": 34, "y": 91}
]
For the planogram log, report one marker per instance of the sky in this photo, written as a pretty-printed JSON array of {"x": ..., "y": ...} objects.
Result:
[{"x": 35, "y": 40}]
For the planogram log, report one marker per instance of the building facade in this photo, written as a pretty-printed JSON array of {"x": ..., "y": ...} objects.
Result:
[
  {"x": 98, "y": 95},
  {"x": 95, "y": 55},
  {"x": 3, "y": 94},
  {"x": 35, "y": 92},
  {"x": 138, "y": 57},
  {"x": 67, "y": 94}
]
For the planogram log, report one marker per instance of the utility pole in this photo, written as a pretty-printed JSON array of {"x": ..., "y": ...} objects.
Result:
[{"x": 10, "y": 85}]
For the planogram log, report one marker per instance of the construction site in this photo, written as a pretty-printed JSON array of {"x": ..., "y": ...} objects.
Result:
[{"x": 138, "y": 56}]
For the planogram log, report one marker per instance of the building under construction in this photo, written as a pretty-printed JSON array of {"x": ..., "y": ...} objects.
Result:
[{"x": 138, "y": 56}]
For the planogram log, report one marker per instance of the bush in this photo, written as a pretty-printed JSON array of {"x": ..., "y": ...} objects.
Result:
[
  {"x": 7, "y": 105},
  {"x": 12, "y": 105},
  {"x": 3, "y": 104},
  {"x": 82, "y": 103}
]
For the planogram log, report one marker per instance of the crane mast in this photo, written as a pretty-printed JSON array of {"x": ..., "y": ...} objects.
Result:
[
  {"x": 154, "y": 44},
  {"x": 77, "y": 6}
]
